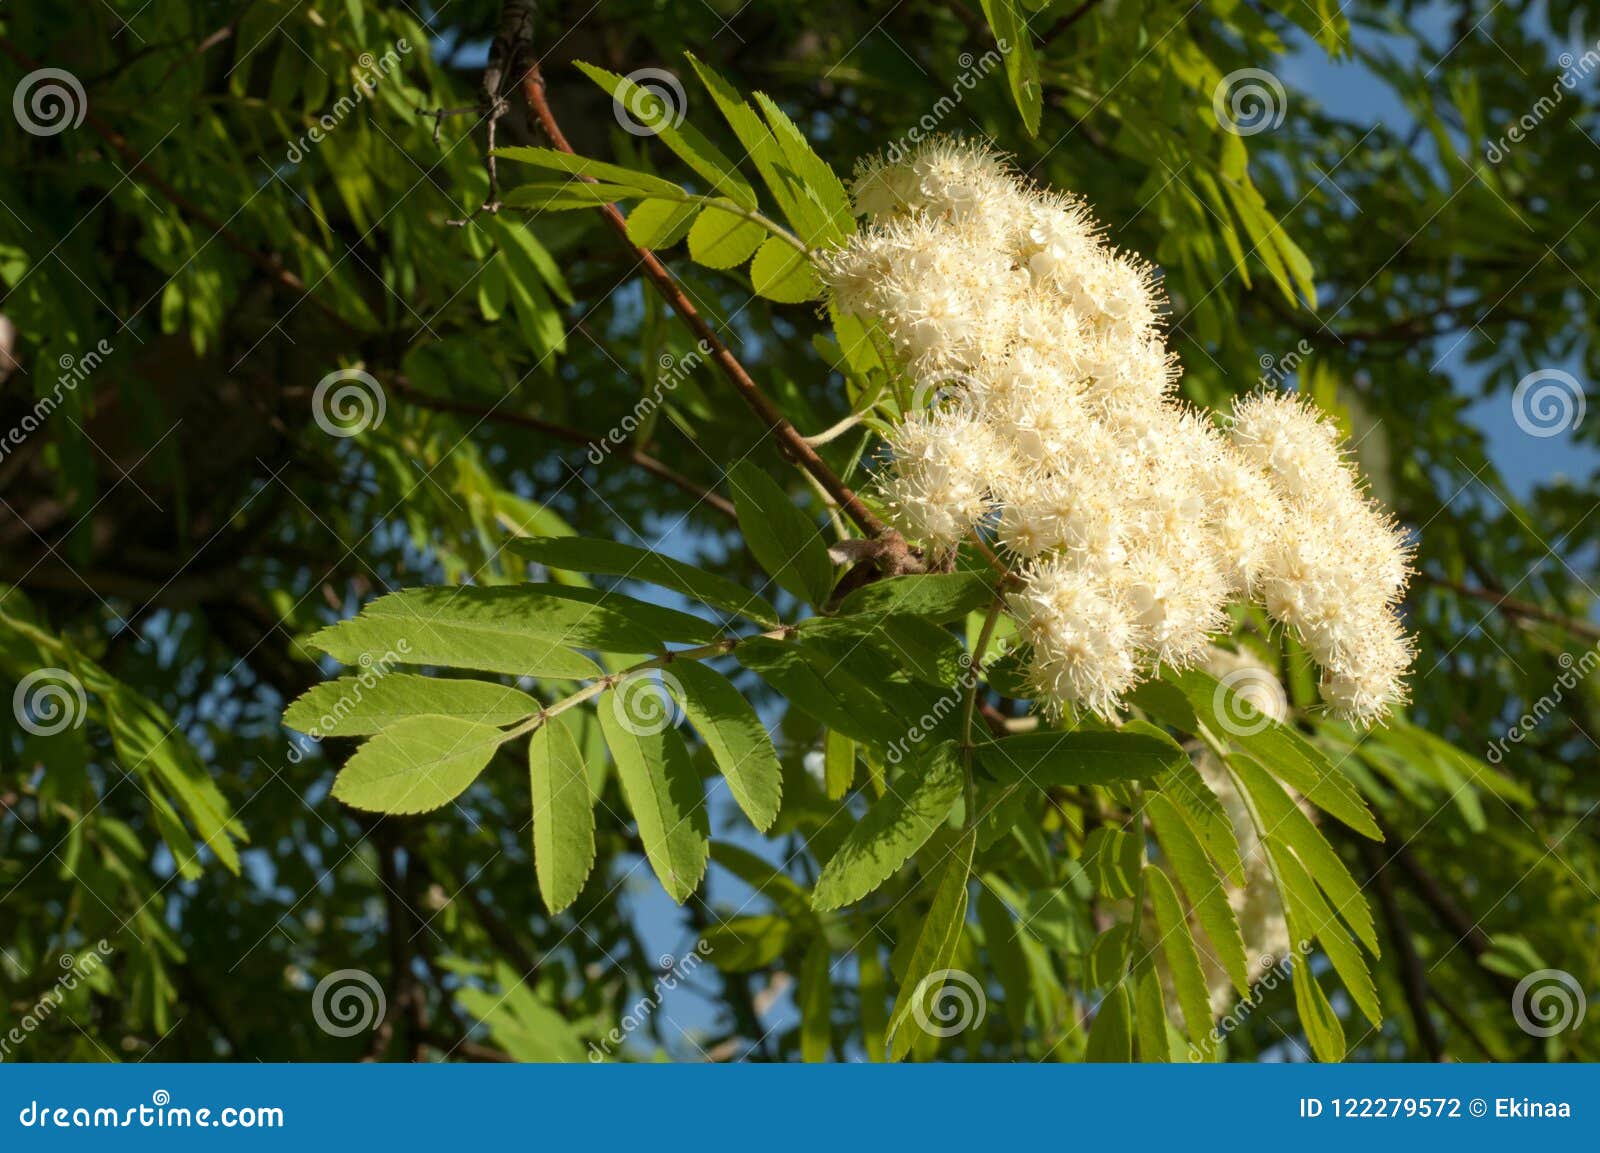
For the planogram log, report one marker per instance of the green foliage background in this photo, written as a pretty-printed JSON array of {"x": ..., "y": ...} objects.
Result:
[{"x": 180, "y": 527}]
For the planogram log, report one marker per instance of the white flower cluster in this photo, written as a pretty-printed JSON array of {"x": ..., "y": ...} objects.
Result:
[{"x": 1044, "y": 416}]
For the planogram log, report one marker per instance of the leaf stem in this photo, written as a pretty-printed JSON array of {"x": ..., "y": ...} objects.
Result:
[
  {"x": 733, "y": 208},
  {"x": 595, "y": 687},
  {"x": 1130, "y": 953},
  {"x": 975, "y": 672}
]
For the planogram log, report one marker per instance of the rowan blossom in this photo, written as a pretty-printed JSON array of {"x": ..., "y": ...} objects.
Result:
[{"x": 1042, "y": 415}]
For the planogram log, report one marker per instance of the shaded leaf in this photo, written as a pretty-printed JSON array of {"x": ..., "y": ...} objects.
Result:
[
  {"x": 737, "y": 739},
  {"x": 1183, "y": 961},
  {"x": 1084, "y": 757},
  {"x": 894, "y": 828},
  {"x": 723, "y": 239},
  {"x": 782, "y": 538},
  {"x": 1111, "y": 1035},
  {"x": 815, "y": 1000},
  {"x": 934, "y": 949},
  {"x": 783, "y": 273},
  {"x": 1202, "y": 884}
]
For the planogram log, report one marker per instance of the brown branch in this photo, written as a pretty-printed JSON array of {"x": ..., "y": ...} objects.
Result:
[
  {"x": 221, "y": 35},
  {"x": 790, "y": 441},
  {"x": 1068, "y": 20},
  {"x": 515, "y": 32},
  {"x": 572, "y": 435},
  {"x": 1511, "y": 606}
]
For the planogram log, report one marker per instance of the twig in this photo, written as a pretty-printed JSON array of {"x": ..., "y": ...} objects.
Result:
[
  {"x": 1068, "y": 20},
  {"x": 406, "y": 1001},
  {"x": 440, "y": 115},
  {"x": 270, "y": 264},
  {"x": 498, "y": 932},
  {"x": 1414, "y": 980},
  {"x": 572, "y": 435},
  {"x": 1455, "y": 920},
  {"x": 793, "y": 445},
  {"x": 505, "y": 56},
  {"x": 1511, "y": 606},
  {"x": 834, "y": 432}
]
